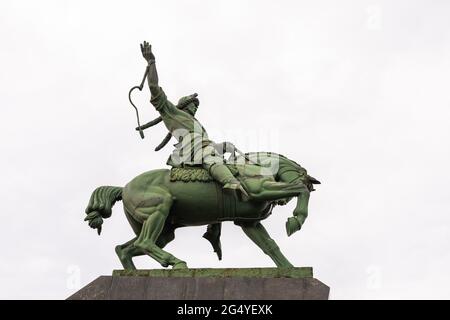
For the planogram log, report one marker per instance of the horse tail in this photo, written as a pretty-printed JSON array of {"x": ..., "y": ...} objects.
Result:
[{"x": 100, "y": 205}]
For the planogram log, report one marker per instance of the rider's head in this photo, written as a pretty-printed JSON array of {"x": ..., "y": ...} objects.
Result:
[{"x": 189, "y": 104}]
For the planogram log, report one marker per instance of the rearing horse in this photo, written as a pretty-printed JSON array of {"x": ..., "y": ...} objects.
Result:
[{"x": 159, "y": 201}]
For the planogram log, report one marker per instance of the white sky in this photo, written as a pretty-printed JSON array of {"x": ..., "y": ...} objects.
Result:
[{"x": 355, "y": 91}]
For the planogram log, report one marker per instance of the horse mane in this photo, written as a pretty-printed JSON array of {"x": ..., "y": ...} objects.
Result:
[
  {"x": 270, "y": 154},
  {"x": 286, "y": 162}
]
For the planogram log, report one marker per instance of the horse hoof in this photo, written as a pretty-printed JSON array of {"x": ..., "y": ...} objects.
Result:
[
  {"x": 180, "y": 265},
  {"x": 126, "y": 261},
  {"x": 292, "y": 226}
]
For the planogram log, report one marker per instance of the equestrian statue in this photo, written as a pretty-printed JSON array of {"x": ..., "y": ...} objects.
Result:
[{"x": 202, "y": 187}]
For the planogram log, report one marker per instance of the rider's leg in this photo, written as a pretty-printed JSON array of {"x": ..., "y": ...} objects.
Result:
[
  {"x": 219, "y": 171},
  {"x": 258, "y": 234},
  {"x": 222, "y": 174}
]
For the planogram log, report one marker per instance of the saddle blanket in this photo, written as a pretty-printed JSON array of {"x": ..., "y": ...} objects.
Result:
[{"x": 195, "y": 174}]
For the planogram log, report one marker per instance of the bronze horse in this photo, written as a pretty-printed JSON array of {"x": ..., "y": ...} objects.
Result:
[{"x": 159, "y": 201}]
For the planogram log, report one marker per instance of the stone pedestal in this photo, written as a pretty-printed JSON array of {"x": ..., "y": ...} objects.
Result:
[{"x": 207, "y": 284}]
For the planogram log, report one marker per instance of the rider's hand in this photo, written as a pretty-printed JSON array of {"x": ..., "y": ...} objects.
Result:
[
  {"x": 225, "y": 147},
  {"x": 147, "y": 53}
]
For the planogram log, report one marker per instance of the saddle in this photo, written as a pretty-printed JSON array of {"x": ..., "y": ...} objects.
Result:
[{"x": 195, "y": 173}]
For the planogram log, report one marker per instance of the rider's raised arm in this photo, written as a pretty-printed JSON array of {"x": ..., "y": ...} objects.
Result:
[
  {"x": 159, "y": 99},
  {"x": 152, "y": 75},
  {"x": 152, "y": 79}
]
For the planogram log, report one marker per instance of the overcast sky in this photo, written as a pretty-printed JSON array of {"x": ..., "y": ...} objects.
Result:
[{"x": 355, "y": 91}]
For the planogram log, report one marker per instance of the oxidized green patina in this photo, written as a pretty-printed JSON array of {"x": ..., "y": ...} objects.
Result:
[{"x": 202, "y": 188}]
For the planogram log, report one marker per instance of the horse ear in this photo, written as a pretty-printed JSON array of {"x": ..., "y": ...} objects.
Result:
[{"x": 313, "y": 180}]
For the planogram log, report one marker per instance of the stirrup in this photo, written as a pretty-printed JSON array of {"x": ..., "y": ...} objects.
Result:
[{"x": 236, "y": 185}]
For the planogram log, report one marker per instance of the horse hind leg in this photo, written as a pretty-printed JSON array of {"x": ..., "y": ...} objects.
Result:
[
  {"x": 166, "y": 236},
  {"x": 154, "y": 220},
  {"x": 126, "y": 252},
  {"x": 258, "y": 234}
]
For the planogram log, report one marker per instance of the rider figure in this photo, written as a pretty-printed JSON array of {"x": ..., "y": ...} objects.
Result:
[{"x": 193, "y": 147}]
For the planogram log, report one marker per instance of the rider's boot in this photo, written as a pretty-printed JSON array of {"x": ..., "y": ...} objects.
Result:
[{"x": 221, "y": 173}]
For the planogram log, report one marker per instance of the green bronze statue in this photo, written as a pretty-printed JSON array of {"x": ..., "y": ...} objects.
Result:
[{"x": 201, "y": 188}]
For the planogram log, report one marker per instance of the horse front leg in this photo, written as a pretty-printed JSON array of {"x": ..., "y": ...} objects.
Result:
[
  {"x": 258, "y": 234},
  {"x": 293, "y": 224},
  {"x": 261, "y": 189}
]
